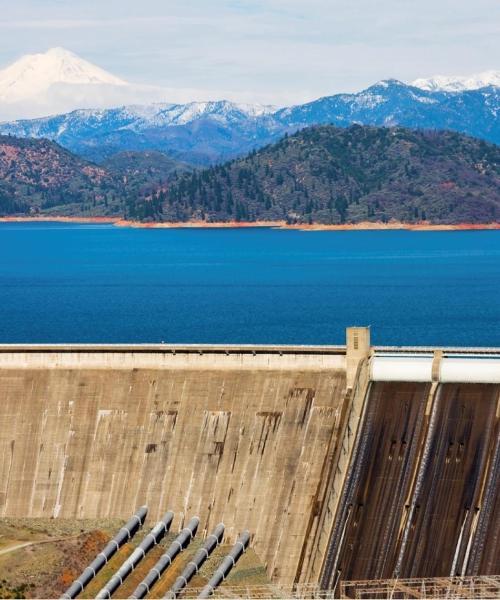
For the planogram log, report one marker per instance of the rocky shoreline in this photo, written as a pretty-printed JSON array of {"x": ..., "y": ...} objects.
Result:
[{"x": 365, "y": 225}]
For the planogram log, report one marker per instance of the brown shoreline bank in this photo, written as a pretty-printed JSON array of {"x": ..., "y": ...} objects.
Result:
[{"x": 364, "y": 225}]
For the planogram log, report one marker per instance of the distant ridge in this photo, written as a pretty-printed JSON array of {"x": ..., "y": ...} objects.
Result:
[
  {"x": 197, "y": 132},
  {"x": 58, "y": 83},
  {"x": 204, "y": 133}
]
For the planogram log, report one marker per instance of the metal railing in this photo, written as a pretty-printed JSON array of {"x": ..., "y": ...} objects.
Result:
[
  {"x": 451, "y": 588},
  {"x": 265, "y": 591}
]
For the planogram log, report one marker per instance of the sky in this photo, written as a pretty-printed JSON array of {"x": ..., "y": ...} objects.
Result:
[{"x": 270, "y": 51}]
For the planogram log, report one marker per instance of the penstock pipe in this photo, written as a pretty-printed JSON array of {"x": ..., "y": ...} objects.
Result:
[
  {"x": 181, "y": 542},
  {"x": 193, "y": 566},
  {"x": 226, "y": 565},
  {"x": 151, "y": 539},
  {"x": 125, "y": 534}
]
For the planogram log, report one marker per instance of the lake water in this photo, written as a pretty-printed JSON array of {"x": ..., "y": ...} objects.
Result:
[{"x": 99, "y": 283}]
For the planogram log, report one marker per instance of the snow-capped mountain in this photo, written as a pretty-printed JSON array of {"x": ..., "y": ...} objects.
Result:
[
  {"x": 197, "y": 132},
  {"x": 161, "y": 114},
  {"x": 391, "y": 102},
  {"x": 36, "y": 73},
  {"x": 208, "y": 132},
  {"x": 135, "y": 118},
  {"x": 59, "y": 81},
  {"x": 459, "y": 83}
]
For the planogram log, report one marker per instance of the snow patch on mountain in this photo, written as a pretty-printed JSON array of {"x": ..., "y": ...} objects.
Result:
[
  {"x": 424, "y": 99},
  {"x": 369, "y": 100},
  {"x": 459, "y": 83}
]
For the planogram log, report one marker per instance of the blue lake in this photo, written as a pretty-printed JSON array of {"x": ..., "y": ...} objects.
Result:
[{"x": 99, "y": 283}]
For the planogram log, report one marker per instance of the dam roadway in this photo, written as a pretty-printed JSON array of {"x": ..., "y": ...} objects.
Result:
[{"x": 345, "y": 463}]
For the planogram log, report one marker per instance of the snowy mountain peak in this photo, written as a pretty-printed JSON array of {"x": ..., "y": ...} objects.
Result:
[
  {"x": 59, "y": 53},
  {"x": 388, "y": 83},
  {"x": 58, "y": 81},
  {"x": 459, "y": 83},
  {"x": 33, "y": 74}
]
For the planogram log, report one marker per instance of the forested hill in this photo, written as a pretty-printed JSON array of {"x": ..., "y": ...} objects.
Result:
[
  {"x": 320, "y": 175},
  {"x": 331, "y": 175},
  {"x": 41, "y": 177}
]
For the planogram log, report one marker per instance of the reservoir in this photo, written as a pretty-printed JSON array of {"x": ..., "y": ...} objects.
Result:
[{"x": 62, "y": 283}]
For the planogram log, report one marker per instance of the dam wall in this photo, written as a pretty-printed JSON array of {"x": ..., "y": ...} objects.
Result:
[
  {"x": 235, "y": 435},
  {"x": 345, "y": 463}
]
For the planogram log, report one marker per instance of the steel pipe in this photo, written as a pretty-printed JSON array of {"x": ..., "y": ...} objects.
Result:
[
  {"x": 469, "y": 370},
  {"x": 193, "y": 566},
  {"x": 180, "y": 543},
  {"x": 401, "y": 368},
  {"x": 451, "y": 369},
  {"x": 125, "y": 534},
  {"x": 226, "y": 565},
  {"x": 152, "y": 539}
]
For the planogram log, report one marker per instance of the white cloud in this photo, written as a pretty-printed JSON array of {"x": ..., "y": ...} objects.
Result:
[{"x": 267, "y": 50}]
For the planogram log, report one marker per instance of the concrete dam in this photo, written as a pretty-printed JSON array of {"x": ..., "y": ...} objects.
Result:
[{"x": 349, "y": 463}]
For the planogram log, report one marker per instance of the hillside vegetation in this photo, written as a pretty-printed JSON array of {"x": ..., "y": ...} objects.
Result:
[
  {"x": 322, "y": 174},
  {"x": 41, "y": 177},
  {"x": 331, "y": 175}
]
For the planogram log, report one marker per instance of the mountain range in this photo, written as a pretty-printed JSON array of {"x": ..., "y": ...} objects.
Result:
[
  {"x": 198, "y": 132},
  {"x": 204, "y": 133}
]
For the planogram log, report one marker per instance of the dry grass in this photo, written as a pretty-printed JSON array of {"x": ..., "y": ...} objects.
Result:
[{"x": 61, "y": 548}]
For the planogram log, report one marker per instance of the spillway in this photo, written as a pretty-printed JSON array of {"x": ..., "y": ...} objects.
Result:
[
  {"x": 346, "y": 464},
  {"x": 450, "y": 480},
  {"x": 373, "y": 504},
  {"x": 424, "y": 467}
]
